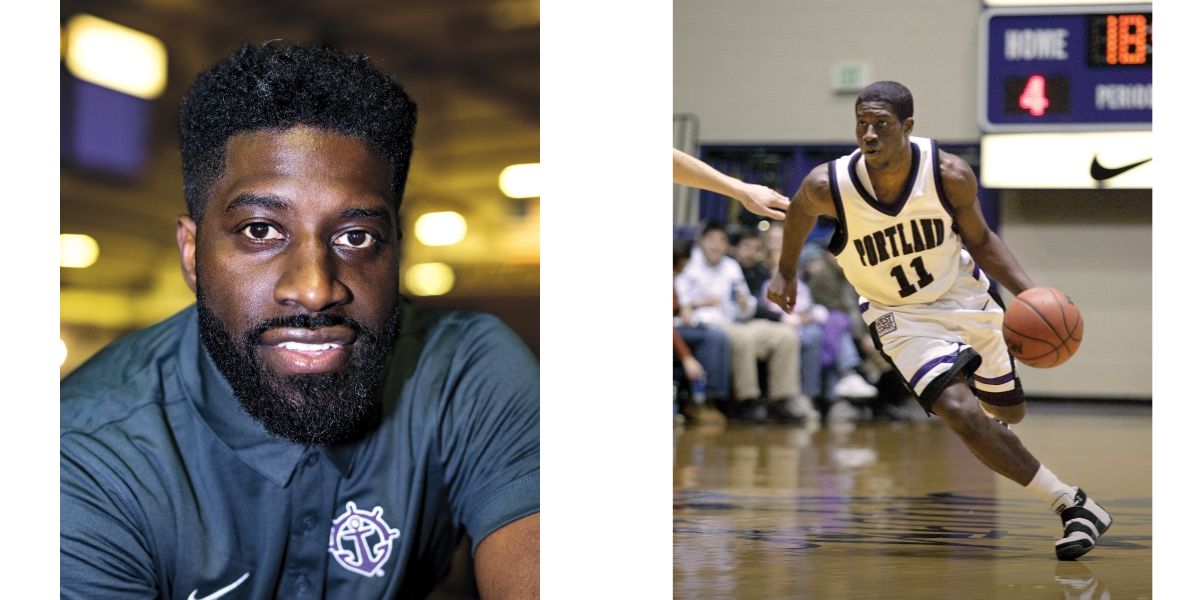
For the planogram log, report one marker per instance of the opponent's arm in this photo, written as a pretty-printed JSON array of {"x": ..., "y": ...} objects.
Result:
[
  {"x": 812, "y": 200},
  {"x": 758, "y": 199},
  {"x": 985, "y": 246},
  {"x": 507, "y": 562}
]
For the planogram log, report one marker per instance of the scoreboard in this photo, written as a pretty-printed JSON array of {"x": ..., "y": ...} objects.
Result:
[{"x": 1077, "y": 68}]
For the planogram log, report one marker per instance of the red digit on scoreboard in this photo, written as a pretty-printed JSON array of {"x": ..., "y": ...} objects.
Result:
[{"x": 1033, "y": 97}]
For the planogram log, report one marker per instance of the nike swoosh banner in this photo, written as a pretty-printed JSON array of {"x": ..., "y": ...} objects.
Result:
[
  {"x": 1098, "y": 160},
  {"x": 1103, "y": 173}
]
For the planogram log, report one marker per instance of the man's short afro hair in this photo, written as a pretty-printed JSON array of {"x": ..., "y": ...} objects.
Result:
[
  {"x": 280, "y": 85},
  {"x": 891, "y": 92}
]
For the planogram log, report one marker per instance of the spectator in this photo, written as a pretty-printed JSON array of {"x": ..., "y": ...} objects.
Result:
[
  {"x": 829, "y": 287},
  {"x": 828, "y": 355},
  {"x": 774, "y": 245},
  {"x": 713, "y": 293},
  {"x": 703, "y": 355},
  {"x": 749, "y": 253}
]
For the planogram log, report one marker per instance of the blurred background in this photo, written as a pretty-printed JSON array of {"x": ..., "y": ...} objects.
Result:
[{"x": 472, "y": 209}]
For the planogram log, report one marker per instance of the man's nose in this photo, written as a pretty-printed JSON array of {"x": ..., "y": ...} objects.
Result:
[{"x": 310, "y": 278}]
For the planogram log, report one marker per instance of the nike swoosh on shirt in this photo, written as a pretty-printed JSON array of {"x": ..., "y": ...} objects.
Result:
[
  {"x": 1100, "y": 172},
  {"x": 220, "y": 592}
]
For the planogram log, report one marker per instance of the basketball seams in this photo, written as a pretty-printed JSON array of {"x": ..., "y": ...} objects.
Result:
[
  {"x": 1054, "y": 350},
  {"x": 1077, "y": 326},
  {"x": 1046, "y": 321},
  {"x": 1032, "y": 360}
]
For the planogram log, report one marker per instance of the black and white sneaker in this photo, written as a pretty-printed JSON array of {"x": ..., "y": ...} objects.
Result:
[{"x": 1084, "y": 522}]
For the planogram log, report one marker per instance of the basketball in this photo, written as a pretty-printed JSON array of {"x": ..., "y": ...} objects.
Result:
[{"x": 1043, "y": 327}]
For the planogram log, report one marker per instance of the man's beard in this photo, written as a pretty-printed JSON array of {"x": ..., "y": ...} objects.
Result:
[{"x": 317, "y": 408}]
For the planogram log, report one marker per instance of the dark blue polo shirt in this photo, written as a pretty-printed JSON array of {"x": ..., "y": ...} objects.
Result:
[{"x": 169, "y": 490}]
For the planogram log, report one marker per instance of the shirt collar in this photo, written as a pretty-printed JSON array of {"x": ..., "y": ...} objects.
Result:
[{"x": 272, "y": 457}]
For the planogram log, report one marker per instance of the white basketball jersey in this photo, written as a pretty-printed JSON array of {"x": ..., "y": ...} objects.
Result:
[{"x": 907, "y": 252}]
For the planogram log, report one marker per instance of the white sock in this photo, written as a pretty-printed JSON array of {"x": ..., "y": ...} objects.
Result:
[{"x": 1045, "y": 485}]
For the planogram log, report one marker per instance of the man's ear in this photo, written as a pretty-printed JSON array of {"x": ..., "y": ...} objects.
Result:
[
  {"x": 908, "y": 124},
  {"x": 185, "y": 237}
]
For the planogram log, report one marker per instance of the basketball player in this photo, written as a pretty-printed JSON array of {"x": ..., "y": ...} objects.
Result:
[
  {"x": 912, "y": 241},
  {"x": 758, "y": 199}
]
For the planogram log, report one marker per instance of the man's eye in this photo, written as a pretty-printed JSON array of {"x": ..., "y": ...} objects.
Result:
[
  {"x": 261, "y": 231},
  {"x": 355, "y": 239}
]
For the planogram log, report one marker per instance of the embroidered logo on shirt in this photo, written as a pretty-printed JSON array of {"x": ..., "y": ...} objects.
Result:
[
  {"x": 886, "y": 324},
  {"x": 361, "y": 541}
]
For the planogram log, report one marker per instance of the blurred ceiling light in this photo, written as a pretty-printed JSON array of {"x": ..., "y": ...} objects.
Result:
[
  {"x": 429, "y": 279},
  {"x": 116, "y": 57},
  {"x": 62, "y": 352},
  {"x": 764, "y": 225},
  {"x": 77, "y": 251},
  {"x": 522, "y": 181},
  {"x": 515, "y": 14},
  {"x": 441, "y": 228}
]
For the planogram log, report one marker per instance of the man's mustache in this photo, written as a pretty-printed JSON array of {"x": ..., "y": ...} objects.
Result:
[{"x": 313, "y": 321}]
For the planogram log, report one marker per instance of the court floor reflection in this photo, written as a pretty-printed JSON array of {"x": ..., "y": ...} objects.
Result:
[{"x": 905, "y": 511}]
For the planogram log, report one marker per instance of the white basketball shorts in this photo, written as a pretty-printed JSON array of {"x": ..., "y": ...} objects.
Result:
[{"x": 929, "y": 344}]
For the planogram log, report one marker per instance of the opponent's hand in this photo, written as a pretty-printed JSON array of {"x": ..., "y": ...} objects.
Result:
[
  {"x": 782, "y": 291},
  {"x": 762, "y": 200}
]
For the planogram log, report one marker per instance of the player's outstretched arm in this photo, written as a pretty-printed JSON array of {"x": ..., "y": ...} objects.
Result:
[
  {"x": 812, "y": 200},
  {"x": 758, "y": 199},
  {"x": 985, "y": 246}
]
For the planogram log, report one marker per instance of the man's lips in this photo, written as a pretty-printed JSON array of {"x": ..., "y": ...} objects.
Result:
[{"x": 297, "y": 351}]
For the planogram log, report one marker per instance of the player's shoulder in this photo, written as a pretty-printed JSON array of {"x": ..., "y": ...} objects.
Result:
[
  {"x": 123, "y": 378},
  {"x": 954, "y": 168},
  {"x": 457, "y": 335},
  {"x": 817, "y": 178},
  {"x": 453, "y": 326},
  {"x": 449, "y": 363},
  {"x": 816, "y": 191}
]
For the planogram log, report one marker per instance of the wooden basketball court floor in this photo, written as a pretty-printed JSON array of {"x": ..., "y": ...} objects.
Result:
[{"x": 903, "y": 510}]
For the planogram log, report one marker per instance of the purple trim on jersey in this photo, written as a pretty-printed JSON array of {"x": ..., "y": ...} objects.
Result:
[
  {"x": 937, "y": 181},
  {"x": 975, "y": 272},
  {"x": 862, "y": 308},
  {"x": 949, "y": 358},
  {"x": 893, "y": 209},
  {"x": 996, "y": 380},
  {"x": 837, "y": 243}
]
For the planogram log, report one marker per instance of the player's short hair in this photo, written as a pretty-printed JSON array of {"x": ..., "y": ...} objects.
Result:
[
  {"x": 278, "y": 85},
  {"x": 893, "y": 93}
]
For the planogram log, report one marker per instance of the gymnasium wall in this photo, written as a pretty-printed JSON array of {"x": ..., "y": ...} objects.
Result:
[
  {"x": 758, "y": 71},
  {"x": 1094, "y": 245}
]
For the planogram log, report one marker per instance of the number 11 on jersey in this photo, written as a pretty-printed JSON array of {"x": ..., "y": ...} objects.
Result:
[{"x": 923, "y": 277}]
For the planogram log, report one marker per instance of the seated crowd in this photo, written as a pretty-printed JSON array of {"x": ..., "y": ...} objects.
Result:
[{"x": 819, "y": 361}]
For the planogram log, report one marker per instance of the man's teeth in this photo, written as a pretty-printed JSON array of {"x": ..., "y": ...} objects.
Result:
[{"x": 301, "y": 347}]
